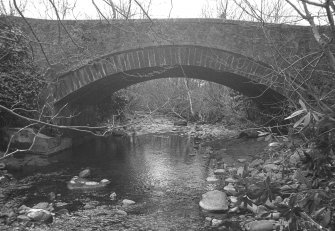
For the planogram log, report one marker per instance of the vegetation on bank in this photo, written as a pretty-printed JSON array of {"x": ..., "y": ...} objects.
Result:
[{"x": 21, "y": 81}]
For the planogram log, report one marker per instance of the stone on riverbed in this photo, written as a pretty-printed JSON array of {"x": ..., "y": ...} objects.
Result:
[
  {"x": 43, "y": 205},
  {"x": 230, "y": 180},
  {"x": 127, "y": 202},
  {"x": 242, "y": 160},
  {"x": 256, "y": 163},
  {"x": 180, "y": 123},
  {"x": 85, "y": 173},
  {"x": 262, "y": 225},
  {"x": 212, "y": 179},
  {"x": 230, "y": 189},
  {"x": 2, "y": 165},
  {"x": 84, "y": 184},
  {"x": 40, "y": 215},
  {"x": 219, "y": 171},
  {"x": 214, "y": 201}
]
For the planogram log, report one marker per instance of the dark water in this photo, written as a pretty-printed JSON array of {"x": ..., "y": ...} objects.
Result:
[{"x": 164, "y": 174}]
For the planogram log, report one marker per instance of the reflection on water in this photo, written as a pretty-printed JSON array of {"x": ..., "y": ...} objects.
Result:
[
  {"x": 135, "y": 164},
  {"x": 161, "y": 169},
  {"x": 165, "y": 174}
]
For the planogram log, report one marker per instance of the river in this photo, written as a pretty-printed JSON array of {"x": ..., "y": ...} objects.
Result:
[{"x": 165, "y": 174}]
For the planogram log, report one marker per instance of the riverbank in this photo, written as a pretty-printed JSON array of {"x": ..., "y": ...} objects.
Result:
[{"x": 155, "y": 123}]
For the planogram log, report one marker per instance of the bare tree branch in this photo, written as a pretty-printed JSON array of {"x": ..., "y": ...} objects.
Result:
[{"x": 31, "y": 29}]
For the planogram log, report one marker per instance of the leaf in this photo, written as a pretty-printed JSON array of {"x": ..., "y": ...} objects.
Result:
[
  {"x": 316, "y": 117},
  {"x": 307, "y": 119},
  {"x": 274, "y": 144},
  {"x": 327, "y": 217},
  {"x": 299, "y": 122},
  {"x": 268, "y": 137},
  {"x": 292, "y": 201},
  {"x": 302, "y": 104},
  {"x": 294, "y": 114}
]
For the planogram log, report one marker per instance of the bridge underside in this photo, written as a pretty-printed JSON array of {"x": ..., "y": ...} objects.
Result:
[{"x": 96, "y": 91}]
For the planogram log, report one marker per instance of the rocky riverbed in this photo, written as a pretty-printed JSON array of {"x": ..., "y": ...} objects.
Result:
[{"x": 244, "y": 178}]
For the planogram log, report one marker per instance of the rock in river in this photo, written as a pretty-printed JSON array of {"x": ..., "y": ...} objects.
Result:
[
  {"x": 214, "y": 201},
  {"x": 219, "y": 171},
  {"x": 85, "y": 173},
  {"x": 42, "y": 205},
  {"x": 262, "y": 225},
  {"x": 127, "y": 202},
  {"x": 212, "y": 179},
  {"x": 84, "y": 184},
  {"x": 40, "y": 215}
]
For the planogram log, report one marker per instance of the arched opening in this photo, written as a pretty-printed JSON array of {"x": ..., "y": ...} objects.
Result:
[{"x": 97, "y": 80}]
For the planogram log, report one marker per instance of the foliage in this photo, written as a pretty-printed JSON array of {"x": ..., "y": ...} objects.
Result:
[
  {"x": 291, "y": 212},
  {"x": 113, "y": 105},
  {"x": 266, "y": 191},
  {"x": 20, "y": 80},
  {"x": 210, "y": 102}
]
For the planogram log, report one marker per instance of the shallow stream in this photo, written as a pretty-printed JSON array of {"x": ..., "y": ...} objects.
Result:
[{"x": 165, "y": 174}]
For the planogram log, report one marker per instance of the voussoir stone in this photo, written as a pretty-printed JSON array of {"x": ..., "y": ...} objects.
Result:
[{"x": 214, "y": 201}]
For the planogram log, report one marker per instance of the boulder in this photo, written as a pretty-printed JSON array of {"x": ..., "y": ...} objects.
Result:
[
  {"x": 85, "y": 173},
  {"x": 23, "y": 218},
  {"x": 271, "y": 167},
  {"x": 42, "y": 144},
  {"x": 212, "y": 179},
  {"x": 84, "y": 184},
  {"x": 230, "y": 189},
  {"x": 256, "y": 163},
  {"x": 219, "y": 171},
  {"x": 262, "y": 225},
  {"x": 180, "y": 123},
  {"x": 242, "y": 160},
  {"x": 230, "y": 180},
  {"x": 216, "y": 222},
  {"x": 40, "y": 215},
  {"x": 214, "y": 201},
  {"x": 41, "y": 205},
  {"x": 120, "y": 212},
  {"x": 23, "y": 209},
  {"x": 127, "y": 202}
]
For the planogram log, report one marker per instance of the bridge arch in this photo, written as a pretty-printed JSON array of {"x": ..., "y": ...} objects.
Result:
[{"x": 125, "y": 67}]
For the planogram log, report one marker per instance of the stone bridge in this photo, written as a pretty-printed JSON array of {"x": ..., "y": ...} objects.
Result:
[{"x": 92, "y": 59}]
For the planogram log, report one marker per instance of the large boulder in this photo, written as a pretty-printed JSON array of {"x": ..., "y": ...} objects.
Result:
[
  {"x": 40, "y": 215},
  {"x": 35, "y": 141},
  {"x": 214, "y": 201}
]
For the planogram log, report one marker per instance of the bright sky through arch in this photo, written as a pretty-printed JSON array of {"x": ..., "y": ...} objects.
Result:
[{"x": 85, "y": 9}]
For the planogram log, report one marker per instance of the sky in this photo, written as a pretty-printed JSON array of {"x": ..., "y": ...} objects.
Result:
[{"x": 85, "y": 9}]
